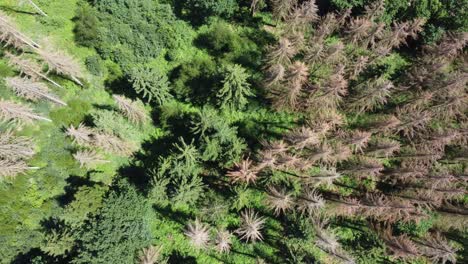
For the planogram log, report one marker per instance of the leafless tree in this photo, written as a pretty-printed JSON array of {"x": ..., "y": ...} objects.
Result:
[
  {"x": 82, "y": 135},
  {"x": 13, "y": 111},
  {"x": 437, "y": 249},
  {"x": 10, "y": 35},
  {"x": 326, "y": 176},
  {"x": 406, "y": 173},
  {"x": 375, "y": 9},
  {"x": 327, "y": 241},
  {"x": 198, "y": 233},
  {"x": 450, "y": 46},
  {"x": 389, "y": 209},
  {"x": 296, "y": 78},
  {"x": 15, "y": 148},
  {"x": 150, "y": 255},
  {"x": 223, "y": 241},
  {"x": 282, "y": 53},
  {"x": 251, "y": 226},
  {"x": 243, "y": 172},
  {"x": 288, "y": 161},
  {"x": 303, "y": 137},
  {"x": 35, "y": 6},
  {"x": 382, "y": 148},
  {"x": 401, "y": 246},
  {"x": 412, "y": 121},
  {"x": 310, "y": 202},
  {"x": 28, "y": 68},
  {"x": 334, "y": 53},
  {"x": 133, "y": 110},
  {"x": 302, "y": 15},
  {"x": 10, "y": 168},
  {"x": 31, "y": 90},
  {"x": 335, "y": 88},
  {"x": 282, "y": 8},
  {"x": 327, "y": 25},
  {"x": 279, "y": 200},
  {"x": 113, "y": 144},
  {"x": 358, "y": 29},
  {"x": 370, "y": 95},
  {"x": 364, "y": 167},
  {"x": 385, "y": 124},
  {"x": 89, "y": 158},
  {"x": 61, "y": 63},
  {"x": 274, "y": 75},
  {"x": 419, "y": 156},
  {"x": 254, "y": 6},
  {"x": 358, "y": 140}
]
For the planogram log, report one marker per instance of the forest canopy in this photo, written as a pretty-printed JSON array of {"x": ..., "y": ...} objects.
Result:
[{"x": 233, "y": 131}]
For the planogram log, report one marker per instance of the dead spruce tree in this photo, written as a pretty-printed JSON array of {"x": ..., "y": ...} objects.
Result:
[
  {"x": 251, "y": 226},
  {"x": 61, "y": 63},
  {"x": 150, "y": 255},
  {"x": 223, "y": 241},
  {"x": 89, "y": 159},
  {"x": 28, "y": 68},
  {"x": 198, "y": 233},
  {"x": 88, "y": 137},
  {"x": 133, "y": 110},
  {"x": 31, "y": 90},
  {"x": 384, "y": 132},
  {"x": 15, "y": 148},
  {"x": 13, "y": 111},
  {"x": 10, "y": 168},
  {"x": 10, "y": 35},
  {"x": 34, "y": 5}
]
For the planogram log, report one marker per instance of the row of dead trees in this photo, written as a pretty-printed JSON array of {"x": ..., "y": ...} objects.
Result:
[{"x": 401, "y": 144}]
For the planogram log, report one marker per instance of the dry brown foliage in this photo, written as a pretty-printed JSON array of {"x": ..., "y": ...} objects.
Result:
[
  {"x": 243, "y": 172},
  {"x": 89, "y": 159},
  {"x": 61, "y": 63},
  {"x": 150, "y": 255},
  {"x": 198, "y": 233},
  {"x": 279, "y": 200},
  {"x": 31, "y": 89},
  {"x": 251, "y": 226},
  {"x": 223, "y": 241},
  {"x": 310, "y": 202},
  {"x": 133, "y": 110},
  {"x": 15, "y": 148},
  {"x": 13, "y": 111},
  {"x": 11, "y": 168}
]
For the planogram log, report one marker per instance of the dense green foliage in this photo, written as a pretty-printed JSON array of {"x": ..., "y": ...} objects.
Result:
[{"x": 233, "y": 131}]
